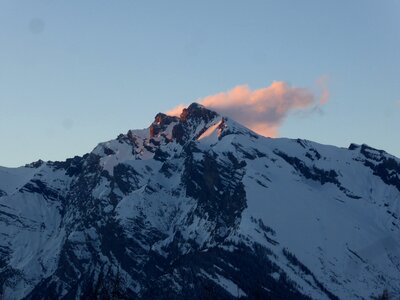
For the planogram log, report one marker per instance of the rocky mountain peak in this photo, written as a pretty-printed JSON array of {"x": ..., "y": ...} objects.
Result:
[
  {"x": 197, "y": 111},
  {"x": 161, "y": 122},
  {"x": 186, "y": 124}
]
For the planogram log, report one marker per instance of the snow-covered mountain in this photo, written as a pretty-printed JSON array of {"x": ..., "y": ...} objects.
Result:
[{"x": 202, "y": 207}]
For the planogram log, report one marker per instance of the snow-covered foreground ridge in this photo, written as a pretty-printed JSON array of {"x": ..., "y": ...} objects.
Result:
[{"x": 201, "y": 207}]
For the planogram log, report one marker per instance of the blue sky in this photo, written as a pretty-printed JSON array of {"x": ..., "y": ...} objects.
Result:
[{"x": 75, "y": 73}]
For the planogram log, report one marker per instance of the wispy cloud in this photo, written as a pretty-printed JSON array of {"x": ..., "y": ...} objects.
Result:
[
  {"x": 322, "y": 83},
  {"x": 263, "y": 110},
  {"x": 176, "y": 111}
]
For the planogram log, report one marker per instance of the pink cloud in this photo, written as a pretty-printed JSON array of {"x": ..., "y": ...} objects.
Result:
[
  {"x": 176, "y": 111},
  {"x": 263, "y": 110},
  {"x": 322, "y": 83}
]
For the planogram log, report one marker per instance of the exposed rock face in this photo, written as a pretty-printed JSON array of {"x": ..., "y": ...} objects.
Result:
[
  {"x": 160, "y": 124},
  {"x": 200, "y": 207},
  {"x": 197, "y": 113}
]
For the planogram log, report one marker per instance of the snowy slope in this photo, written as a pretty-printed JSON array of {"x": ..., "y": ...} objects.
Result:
[
  {"x": 200, "y": 206},
  {"x": 11, "y": 179}
]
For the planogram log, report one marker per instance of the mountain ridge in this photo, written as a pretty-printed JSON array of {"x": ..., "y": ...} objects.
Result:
[{"x": 199, "y": 205}]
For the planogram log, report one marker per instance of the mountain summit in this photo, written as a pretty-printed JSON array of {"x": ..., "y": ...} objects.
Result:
[{"x": 199, "y": 206}]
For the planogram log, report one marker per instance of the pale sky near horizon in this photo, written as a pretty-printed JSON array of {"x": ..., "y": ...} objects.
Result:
[{"x": 76, "y": 73}]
